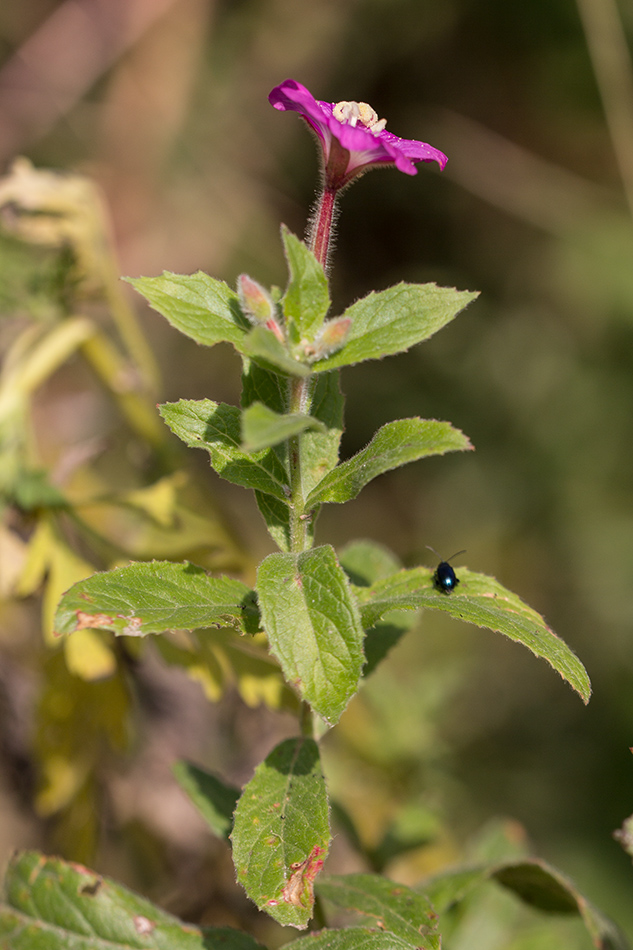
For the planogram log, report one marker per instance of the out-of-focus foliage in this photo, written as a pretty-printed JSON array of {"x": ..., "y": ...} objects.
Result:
[
  {"x": 63, "y": 518},
  {"x": 170, "y": 116}
]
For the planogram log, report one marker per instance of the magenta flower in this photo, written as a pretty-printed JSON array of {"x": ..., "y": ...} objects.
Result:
[{"x": 352, "y": 137}]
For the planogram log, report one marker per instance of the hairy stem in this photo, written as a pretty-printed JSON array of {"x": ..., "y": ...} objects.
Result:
[
  {"x": 321, "y": 228},
  {"x": 299, "y": 400}
]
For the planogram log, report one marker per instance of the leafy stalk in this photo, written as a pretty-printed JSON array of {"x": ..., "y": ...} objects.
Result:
[{"x": 300, "y": 392}]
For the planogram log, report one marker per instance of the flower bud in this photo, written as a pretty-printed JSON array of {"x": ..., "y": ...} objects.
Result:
[
  {"x": 255, "y": 301},
  {"x": 257, "y": 305},
  {"x": 330, "y": 338}
]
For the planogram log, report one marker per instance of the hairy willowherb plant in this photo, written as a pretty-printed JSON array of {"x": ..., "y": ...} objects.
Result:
[{"x": 320, "y": 613}]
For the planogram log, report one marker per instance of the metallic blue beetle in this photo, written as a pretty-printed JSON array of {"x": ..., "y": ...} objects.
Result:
[{"x": 445, "y": 578}]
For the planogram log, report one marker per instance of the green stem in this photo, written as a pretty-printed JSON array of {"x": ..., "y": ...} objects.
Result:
[{"x": 299, "y": 400}]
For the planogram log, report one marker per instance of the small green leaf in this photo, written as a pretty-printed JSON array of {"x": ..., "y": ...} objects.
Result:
[
  {"x": 395, "y": 319},
  {"x": 33, "y": 489},
  {"x": 541, "y": 886},
  {"x": 205, "y": 309},
  {"x": 319, "y": 449},
  {"x": 536, "y": 883},
  {"x": 154, "y": 597},
  {"x": 313, "y": 626},
  {"x": 276, "y": 514},
  {"x": 48, "y": 904},
  {"x": 281, "y": 832},
  {"x": 480, "y": 600},
  {"x": 354, "y": 938},
  {"x": 263, "y": 428},
  {"x": 366, "y": 562},
  {"x": 306, "y": 300},
  {"x": 214, "y": 799},
  {"x": 379, "y": 640},
  {"x": 395, "y": 444},
  {"x": 265, "y": 386},
  {"x": 216, "y": 427},
  {"x": 392, "y": 907},
  {"x": 262, "y": 345},
  {"x": 448, "y": 888}
]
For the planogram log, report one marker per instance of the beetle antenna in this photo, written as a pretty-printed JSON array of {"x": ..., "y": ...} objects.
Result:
[{"x": 440, "y": 556}]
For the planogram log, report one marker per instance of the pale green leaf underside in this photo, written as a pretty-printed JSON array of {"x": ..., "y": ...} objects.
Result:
[
  {"x": 480, "y": 600},
  {"x": 281, "y": 832},
  {"x": 49, "y": 904},
  {"x": 395, "y": 319},
  {"x": 263, "y": 428},
  {"x": 154, "y": 597},
  {"x": 306, "y": 300},
  {"x": 393, "y": 907},
  {"x": 216, "y": 427},
  {"x": 201, "y": 307},
  {"x": 313, "y": 626},
  {"x": 395, "y": 444}
]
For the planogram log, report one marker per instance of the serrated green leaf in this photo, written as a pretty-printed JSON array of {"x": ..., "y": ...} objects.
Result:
[
  {"x": 262, "y": 345},
  {"x": 216, "y": 427},
  {"x": 214, "y": 799},
  {"x": 154, "y": 597},
  {"x": 49, "y": 904},
  {"x": 205, "y": 309},
  {"x": 392, "y": 907},
  {"x": 354, "y": 938},
  {"x": 395, "y": 319},
  {"x": 262, "y": 427},
  {"x": 313, "y": 626},
  {"x": 306, "y": 300},
  {"x": 480, "y": 600},
  {"x": 395, "y": 444},
  {"x": 281, "y": 832}
]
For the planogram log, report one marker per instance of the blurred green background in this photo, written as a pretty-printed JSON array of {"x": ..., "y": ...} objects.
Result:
[{"x": 164, "y": 104}]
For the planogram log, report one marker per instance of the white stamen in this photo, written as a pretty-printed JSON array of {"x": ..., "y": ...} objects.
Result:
[
  {"x": 378, "y": 126},
  {"x": 353, "y": 112}
]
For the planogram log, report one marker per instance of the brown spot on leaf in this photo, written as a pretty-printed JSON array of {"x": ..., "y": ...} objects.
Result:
[
  {"x": 91, "y": 890},
  {"x": 299, "y": 889},
  {"x": 143, "y": 925},
  {"x": 85, "y": 620},
  {"x": 133, "y": 627}
]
